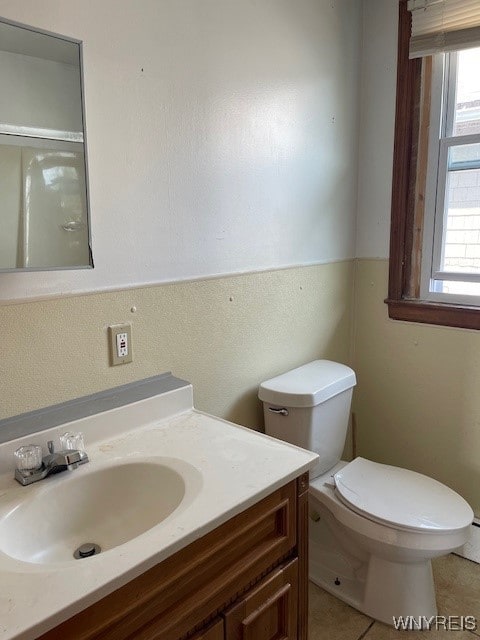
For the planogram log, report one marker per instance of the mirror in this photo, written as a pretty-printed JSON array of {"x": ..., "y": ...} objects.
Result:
[{"x": 43, "y": 177}]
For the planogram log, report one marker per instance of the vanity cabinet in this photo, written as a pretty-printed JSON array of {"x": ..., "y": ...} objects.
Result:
[
  {"x": 269, "y": 610},
  {"x": 245, "y": 580},
  {"x": 215, "y": 631}
]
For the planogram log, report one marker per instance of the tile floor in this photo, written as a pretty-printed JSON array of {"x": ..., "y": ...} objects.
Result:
[{"x": 458, "y": 593}]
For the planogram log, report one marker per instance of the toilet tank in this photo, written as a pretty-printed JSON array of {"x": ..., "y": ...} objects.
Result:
[{"x": 310, "y": 407}]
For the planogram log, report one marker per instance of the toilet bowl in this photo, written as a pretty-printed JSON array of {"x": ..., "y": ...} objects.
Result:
[
  {"x": 380, "y": 566},
  {"x": 374, "y": 528}
]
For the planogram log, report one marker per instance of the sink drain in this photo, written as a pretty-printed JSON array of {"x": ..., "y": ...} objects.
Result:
[{"x": 86, "y": 550}]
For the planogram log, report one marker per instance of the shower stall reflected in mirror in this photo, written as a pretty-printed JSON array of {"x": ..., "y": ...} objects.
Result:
[{"x": 44, "y": 207}]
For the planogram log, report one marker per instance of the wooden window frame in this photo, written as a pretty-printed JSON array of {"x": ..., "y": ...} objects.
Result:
[{"x": 401, "y": 304}]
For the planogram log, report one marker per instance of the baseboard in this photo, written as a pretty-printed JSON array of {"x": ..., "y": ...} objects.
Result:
[{"x": 471, "y": 550}]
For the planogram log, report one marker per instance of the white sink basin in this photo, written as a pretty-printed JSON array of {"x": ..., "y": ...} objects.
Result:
[{"x": 107, "y": 506}]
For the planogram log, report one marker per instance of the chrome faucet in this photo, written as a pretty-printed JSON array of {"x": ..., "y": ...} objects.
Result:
[{"x": 54, "y": 462}]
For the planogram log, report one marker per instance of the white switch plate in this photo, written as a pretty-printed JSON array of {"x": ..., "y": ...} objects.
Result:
[{"x": 120, "y": 343}]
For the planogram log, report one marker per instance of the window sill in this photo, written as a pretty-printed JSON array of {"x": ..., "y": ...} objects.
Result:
[{"x": 448, "y": 315}]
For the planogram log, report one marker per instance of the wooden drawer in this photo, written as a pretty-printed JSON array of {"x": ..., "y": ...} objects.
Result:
[
  {"x": 174, "y": 597},
  {"x": 213, "y": 632},
  {"x": 269, "y": 611}
]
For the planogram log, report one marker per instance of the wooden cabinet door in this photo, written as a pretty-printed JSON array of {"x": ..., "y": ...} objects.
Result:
[
  {"x": 269, "y": 611},
  {"x": 213, "y": 632}
]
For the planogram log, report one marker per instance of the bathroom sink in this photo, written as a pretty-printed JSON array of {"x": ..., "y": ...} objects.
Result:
[{"x": 104, "y": 506}]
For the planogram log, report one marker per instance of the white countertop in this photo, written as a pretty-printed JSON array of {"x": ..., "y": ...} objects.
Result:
[{"x": 237, "y": 467}]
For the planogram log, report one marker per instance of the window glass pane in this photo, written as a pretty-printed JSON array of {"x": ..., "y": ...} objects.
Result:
[
  {"x": 458, "y": 288},
  {"x": 467, "y": 107},
  {"x": 462, "y": 237},
  {"x": 464, "y": 156}
]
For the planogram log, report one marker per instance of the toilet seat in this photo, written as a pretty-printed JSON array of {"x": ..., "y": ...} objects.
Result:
[{"x": 400, "y": 498}]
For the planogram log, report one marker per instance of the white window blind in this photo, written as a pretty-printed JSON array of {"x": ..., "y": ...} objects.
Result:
[{"x": 443, "y": 25}]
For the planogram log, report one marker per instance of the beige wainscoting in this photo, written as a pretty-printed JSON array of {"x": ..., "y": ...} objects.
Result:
[
  {"x": 224, "y": 335},
  {"x": 417, "y": 402}
]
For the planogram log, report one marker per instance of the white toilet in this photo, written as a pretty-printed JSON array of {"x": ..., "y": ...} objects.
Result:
[{"x": 374, "y": 528}]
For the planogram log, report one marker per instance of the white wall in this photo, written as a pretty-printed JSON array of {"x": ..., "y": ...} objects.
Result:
[
  {"x": 377, "y": 121},
  {"x": 222, "y": 136}
]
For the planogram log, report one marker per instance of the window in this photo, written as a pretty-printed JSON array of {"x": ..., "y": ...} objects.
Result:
[
  {"x": 435, "y": 236},
  {"x": 451, "y": 237}
]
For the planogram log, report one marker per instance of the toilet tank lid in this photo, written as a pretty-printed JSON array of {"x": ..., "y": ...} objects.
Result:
[{"x": 308, "y": 385}]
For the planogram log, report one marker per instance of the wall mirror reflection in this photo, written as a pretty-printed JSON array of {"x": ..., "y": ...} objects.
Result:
[{"x": 43, "y": 178}]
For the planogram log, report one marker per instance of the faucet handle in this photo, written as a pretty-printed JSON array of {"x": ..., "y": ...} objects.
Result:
[
  {"x": 28, "y": 457},
  {"x": 72, "y": 440}
]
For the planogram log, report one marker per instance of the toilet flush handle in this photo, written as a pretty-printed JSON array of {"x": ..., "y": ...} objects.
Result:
[{"x": 282, "y": 412}]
